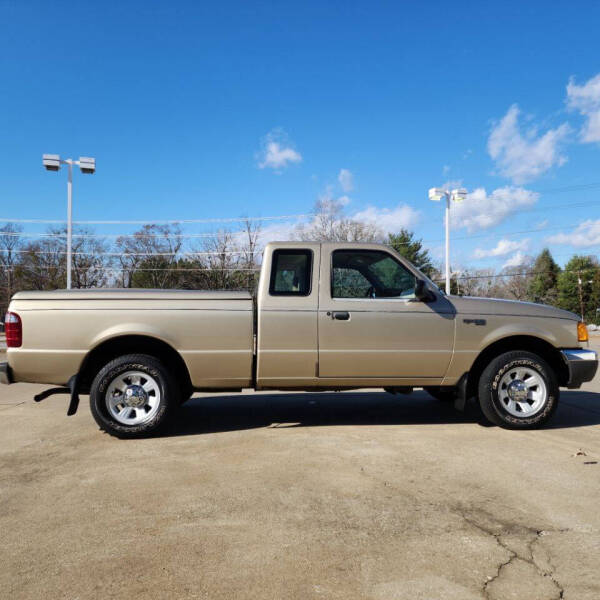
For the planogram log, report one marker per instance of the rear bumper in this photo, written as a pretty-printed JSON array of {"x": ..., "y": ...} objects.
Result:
[
  {"x": 5, "y": 373},
  {"x": 582, "y": 365}
]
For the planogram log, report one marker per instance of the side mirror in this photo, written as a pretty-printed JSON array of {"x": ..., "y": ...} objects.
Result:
[{"x": 421, "y": 291}]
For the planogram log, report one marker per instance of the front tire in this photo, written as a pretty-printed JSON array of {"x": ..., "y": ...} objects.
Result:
[
  {"x": 133, "y": 396},
  {"x": 518, "y": 390}
]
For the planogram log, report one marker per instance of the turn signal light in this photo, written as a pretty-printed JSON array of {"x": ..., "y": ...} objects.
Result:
[{"x": 582, "y": 332}]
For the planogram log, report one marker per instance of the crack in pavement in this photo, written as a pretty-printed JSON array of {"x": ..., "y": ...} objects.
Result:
[{"x": 514, "y": 555}]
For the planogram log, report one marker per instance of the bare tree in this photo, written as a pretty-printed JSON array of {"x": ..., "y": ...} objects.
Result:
[
  {"x": 249, "y": 249},
  {"x": 329, "y": 224},
  {"x": 42, "y": 265},
  {"x": 10, "y": 245},
  {"x": 149, "y": 256},
  {"x": 518, "y": 280},
  {"x": 221, "y": 259},
  {"x": 91, "y": 260}
]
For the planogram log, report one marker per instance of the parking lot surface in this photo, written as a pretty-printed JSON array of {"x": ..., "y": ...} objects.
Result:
[{"x": 333, "y": 495}]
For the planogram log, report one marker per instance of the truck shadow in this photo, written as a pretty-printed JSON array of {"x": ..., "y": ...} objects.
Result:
[{"x": 210, "y": 414}]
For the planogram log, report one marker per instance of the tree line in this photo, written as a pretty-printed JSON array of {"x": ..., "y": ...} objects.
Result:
[
  {"x": 155, "y": 256},
  {"x": 152, "y": 257}
]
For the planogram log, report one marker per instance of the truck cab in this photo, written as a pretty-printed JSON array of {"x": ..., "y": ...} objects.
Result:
[{"x": 333, "y": 315}]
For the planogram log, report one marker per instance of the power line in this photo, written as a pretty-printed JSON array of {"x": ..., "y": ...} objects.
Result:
[
  {"x": 540, "y": 209},
  {"x": 174, "y": 269},
  {"x": 570, "y": 188},
  {"x": 126, "y": 254},
  {"x": 523, "y": 274},
  {"x": 164, "y": 222},
  {"x": 135, "y": 236},
  {"x": 284, "y": 217},
  {"x": 117, "y": 235}
]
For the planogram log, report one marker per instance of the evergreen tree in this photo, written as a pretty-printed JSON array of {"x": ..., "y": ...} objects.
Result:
[
  {"x": 405, "y": 244},
  {"x": 579, "y": 286},
  {"x": 543, "y": 286}
]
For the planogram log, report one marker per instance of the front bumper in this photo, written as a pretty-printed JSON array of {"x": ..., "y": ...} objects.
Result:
[
  {"x": 5, "y": 373},
  {"x": 582, "y": 365}
]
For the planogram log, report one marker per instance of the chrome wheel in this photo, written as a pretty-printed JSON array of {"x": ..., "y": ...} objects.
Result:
[
  {"x": 522, "y": 392},
  {"x": 133, "y": 398}
]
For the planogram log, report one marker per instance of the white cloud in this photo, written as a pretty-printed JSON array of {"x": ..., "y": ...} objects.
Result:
[
  {"x": 586, "y": 99},
  {"x": 481, "y": 210},
  {"x": 277, "y": 151},
  {"x": 445, "y": 170},
  {"x": 328, "y": 196},
  {"x": 346, "y": 179},
  {"x": 276, "y": 232},
  {"x": 517, "y": 260},
  {"x": 386, "y": 219},
  {"x": 502, "y": 248},
  {"x": 586, "y": 234},
  {"x": 523, "y": 157}
]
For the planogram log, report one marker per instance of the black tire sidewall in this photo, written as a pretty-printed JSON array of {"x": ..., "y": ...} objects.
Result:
[
  {"x": 488, "y": 390},
  {"x": 134, "y": 362}
]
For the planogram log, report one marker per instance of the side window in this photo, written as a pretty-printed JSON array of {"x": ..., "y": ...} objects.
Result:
[
  {"x": 349, "y": 283},
  {"x": 369, "y": 274},
  {"x": 291, "y": 272}
]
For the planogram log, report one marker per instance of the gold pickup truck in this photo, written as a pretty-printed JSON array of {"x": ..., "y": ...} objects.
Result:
[{"x": 326, "y": 317}]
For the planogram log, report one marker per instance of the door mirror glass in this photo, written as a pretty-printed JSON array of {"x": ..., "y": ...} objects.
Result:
[{"x": 421, "y": 291}]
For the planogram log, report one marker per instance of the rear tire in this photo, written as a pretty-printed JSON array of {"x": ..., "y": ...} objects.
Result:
[
  {"x": 133, "y": 396},
  {"x": 518, "y": 390}
]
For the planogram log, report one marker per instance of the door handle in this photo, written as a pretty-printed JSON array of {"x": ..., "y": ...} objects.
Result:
[{"x": 340, "y": 316}]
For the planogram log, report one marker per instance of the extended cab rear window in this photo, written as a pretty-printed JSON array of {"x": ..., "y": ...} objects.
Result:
[{"x": 291, "y": 272}]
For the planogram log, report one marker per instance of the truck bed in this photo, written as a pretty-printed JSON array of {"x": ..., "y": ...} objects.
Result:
[{"x": 212, "y": 331}]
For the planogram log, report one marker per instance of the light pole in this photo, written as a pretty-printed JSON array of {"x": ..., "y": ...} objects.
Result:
[
  {"x": 87, "y": 165},
  {"x": 457, "y": 195}
]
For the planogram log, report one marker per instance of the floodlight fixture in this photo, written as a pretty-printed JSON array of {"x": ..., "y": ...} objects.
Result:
[
  {"x": 51, "y": 162},
  {"x": 87, "y": 164},
  {"x": 436, "y": 194},
  {"x": 458, "y": 195}
]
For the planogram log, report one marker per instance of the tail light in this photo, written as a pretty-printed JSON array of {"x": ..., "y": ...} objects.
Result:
[{"x": 13, "y": 330}]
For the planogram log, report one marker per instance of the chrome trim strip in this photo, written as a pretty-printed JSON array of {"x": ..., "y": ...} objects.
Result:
[{"x": 578, "y": 354}]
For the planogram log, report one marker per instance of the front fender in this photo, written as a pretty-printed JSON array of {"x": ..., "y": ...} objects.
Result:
[{"x": 519, "y": 329}]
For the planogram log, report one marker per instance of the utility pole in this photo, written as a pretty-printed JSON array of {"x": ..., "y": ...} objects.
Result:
[
  {"x": 8, "y": 287},
  {"x": 580, "y": 283}
]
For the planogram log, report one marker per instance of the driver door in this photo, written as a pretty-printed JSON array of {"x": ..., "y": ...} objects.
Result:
[{"x": 370, "y": 323}]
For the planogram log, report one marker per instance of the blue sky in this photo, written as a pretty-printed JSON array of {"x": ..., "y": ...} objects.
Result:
[{"x": 179, "y": 101}]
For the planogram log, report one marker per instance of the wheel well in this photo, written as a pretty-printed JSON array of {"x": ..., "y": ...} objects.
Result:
[
  {"x": 517, "y": 342},
  {"x": 131, "y": 344}
]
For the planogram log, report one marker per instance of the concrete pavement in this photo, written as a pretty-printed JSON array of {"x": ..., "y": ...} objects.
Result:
[{"x": 332, "y": 495}]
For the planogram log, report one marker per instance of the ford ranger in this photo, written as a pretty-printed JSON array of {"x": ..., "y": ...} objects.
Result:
[{"x": 327, "y": 316}]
